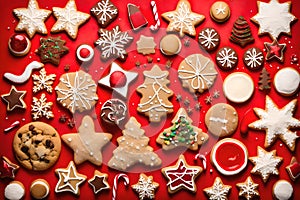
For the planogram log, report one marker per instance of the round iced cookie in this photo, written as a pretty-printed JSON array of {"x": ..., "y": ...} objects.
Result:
[
  {"x": 220, "y": 11},
  {"x": 226, "y": 58},
  {"x": 286, "y": 81},
  {"x": 221, "y": 120},
  {"x": 209, "y": 39},
  {"x": 19, "y": 45},
  {"x": 229, "y": 156},
  {"x": 113, "y": 111},
  {"x": 170, "y": 45},
  {"x": 85, "y": 53},
  {"x": 39, "y": 189},
  {"x": 282, "y": 190},
  {"x": 238, "y": 87},
  {"x": 14, "y": 191},
  {"x": 254, "y": 59}
]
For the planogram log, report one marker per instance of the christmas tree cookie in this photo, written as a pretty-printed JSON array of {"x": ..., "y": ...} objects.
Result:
[{"x": 241, "y": 33}]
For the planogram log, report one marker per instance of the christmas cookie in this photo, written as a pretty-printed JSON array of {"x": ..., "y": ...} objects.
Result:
[
  {"x": 248, "y": 189},
  {"x": 277, "y": 123},
  {"x": 77, "y": 91},
  {"x": 39, "y": 189},
  {"x": 7, "y": 168},
  {"x": 136, "y": 18},
  {"x": 15, "y": 190},
  {"x": 85, "y": 53},
  {"x": 14, "y": 99},
  {"x": 155, "y": 95},
  {"x": 220, "y": 11},
  {"x": 51, "y": 50},
  {"x": 43, "y": 81},
  {"x": 133, "y": 149},
  {"x": 266, "y": 163},
  {"x": 238, "y": 87},
  {"x": 182, "y": 133},
  {"x": 32, "y": 19},
  {"x": 209, "y": 39},
  {"x": 118, "y": 79},
  {"x": 293, "y": 169},
  {"x": 19, "y": 45},
  {"x": 113, "y": 111},
  {"x": 87, "y": 143},
  {"x": 287, "y": 81},
  {"x": 41, "y": 108},
  {"x": 264, "y": 83},
  {"x": 170, "y": 45},
  {"x": 275, "y": 50},
  {"x": 229, "y": 156},
  {"x": 181, "y": 176},
  {"x": 37, "y": 146},
  {"x": 254, "y": 58},
  {"x": 183, "y": 20},
  {"x": 218, "y": 190},
  {"x": 241, "y": 33},
  {"x": 145, "y": 187},
  {"x": 226, "y": 58},
  {"x": 99, "y": 182},
  {"x": 105, "y": 12},
  {"x": 69, "y": 179},
  {"x": 68, "y": 19},
  {"x": 283, "y": 190},
  {"x": 145, "y": 45},
  {"x": 221, "y": 120},
  {"x": 197, "y": 73},
  {"x": 112, "y": 43}
]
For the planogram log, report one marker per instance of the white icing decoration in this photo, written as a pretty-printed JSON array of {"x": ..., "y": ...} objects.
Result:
[
  {"x": 287, "y": 81},
  {"x": 223, "y": 121},
  {"x": 43, "y": 184},
  {"x": 105, "y": 10},
  {"x": 145, "y": 187},
  {"x": 227, "y": 57},
  {"x": 209, "y": 38},
  {"x": 248, "y": 189},
  {"x": 115, "y": 110},
  {"x": 283, "y": 190},
  {"x": 274, "y": 18},
  {"x": 113, "y": 42},
  {"x": 221, "y": 10},
  {"x": 277, "y": 123},
  {"x": 26, "y": 74},
  {"x": 41, "y": 108},
  {"x": 91, "y": 53},
  {"x": 218, "y": 191},
  {"x": 255, "y": 58},
  {"x": 14, "y": 191},
  {"x": 43, "y": 81}
]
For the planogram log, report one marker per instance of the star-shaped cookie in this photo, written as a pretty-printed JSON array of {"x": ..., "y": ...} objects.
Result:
[
  {"x": 69, "y": 179},
  {"x": 274, "y": 18},
  {"x": 145, "y": 187},
  {"x": 181, "y": 176},
  {"x": 183, "y": 20},
  {"x": 218, "y": 190},
  {"x": 266, "y": 163},
  {"x": 99, "y": 182},
  {"x": 118, "y": 79},
  {"x": 248, "y": 189},
  {"x": 69, "y": 19},
  {"x": 275, "y": 50},
  {"x": 87, "y": 143},
  {"x": 277, "y": 123},
  {"x": 14, "y": 99},
  {"x": 32, "y": 18},
  {"x": 7, "y": 168}
]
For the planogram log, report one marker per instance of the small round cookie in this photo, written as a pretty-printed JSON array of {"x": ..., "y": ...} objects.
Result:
[
  {"x": 282, "y": 190},
  {"x": 286, "y": 81},
  {"x": 19, "y": 45},
  {"x": 238, "y": 87},
  {"x": 15, "y": 190},
  {"x": 113, "y": 111},
  {"x": 209, "y": 39},
  {"x": 37, "y": 146},
  {"x": 220, "y": 11},
  {"x": 170, "y": 45},
  {"x": 85, "y": 53},
  {"x": 227, "y": 58},
  {"x": 39, "y": 189},
  {"x": 221, "y": 120},
  {"x": 254, "y": 59}
]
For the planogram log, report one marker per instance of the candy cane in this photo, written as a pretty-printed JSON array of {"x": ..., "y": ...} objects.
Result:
[
  {"x": 12, "y": 126},
  {"x": 117, "y": 177},
  {"x": 201, "y": 157},
  {"x": 154, "y": 11}
]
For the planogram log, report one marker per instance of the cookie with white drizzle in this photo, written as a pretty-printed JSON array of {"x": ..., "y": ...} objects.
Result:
[
  {"x": 105, "y": 12},
  {"x": 218, "y": 190},
  {"x": 209, "y": 39},
  {"x": 197, "y": 73},
  {"x": 227, "y": 58},
  {"x": 254, "y": 58},
  {"x": 113, "y": 111}
]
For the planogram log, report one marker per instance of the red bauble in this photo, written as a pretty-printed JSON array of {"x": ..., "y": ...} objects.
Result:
[
  {"x": 84, "y": 53},
  {"x": 18, "y": 43},
  {"x": 117, "y": 79}
]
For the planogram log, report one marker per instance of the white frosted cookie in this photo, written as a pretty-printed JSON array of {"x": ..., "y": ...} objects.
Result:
[
  {"x": 238, "y": 87},
  {"x": 14, "y": 190},
  {"x": 39, "y": 189},
  {"x": 286, "y": 81},
  {"x": 283, "y": 190}
]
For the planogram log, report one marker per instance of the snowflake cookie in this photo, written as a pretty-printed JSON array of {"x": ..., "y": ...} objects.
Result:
[
  {"x": 209, "y": 39},
  {"x": 254, "y": 58},
  {"x": 227, "y": 58},
  {"x": 43, "y": 81},
  {"x": 248, "y": 189},
  {"x": 145, "y": 187},
  {"x": 266, "y": 163},
  {"x": 218, "y": 191},
  {"x": 277, "y": 123},
  {"x": 41, "y": 108},
  {"x": 77, "y": 91},
  {"x": 105, "y": 12}
]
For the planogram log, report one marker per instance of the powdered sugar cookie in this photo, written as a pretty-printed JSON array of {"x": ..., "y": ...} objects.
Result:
[
  {"x": 287, "y": 81},
  {"x": 15, "y": 190},
  {"x": 283, "y": 190}
]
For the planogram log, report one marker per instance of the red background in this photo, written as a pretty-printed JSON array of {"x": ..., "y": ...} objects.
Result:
[{"x": 88, "y": 34}]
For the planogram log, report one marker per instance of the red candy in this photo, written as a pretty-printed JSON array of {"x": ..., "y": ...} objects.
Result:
[
  {"x": 18, "y": 43},
  {"x": 117, "y": 79},
  {"x": 84, "y": 53}
]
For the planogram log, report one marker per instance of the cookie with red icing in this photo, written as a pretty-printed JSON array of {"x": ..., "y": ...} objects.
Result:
[{"x": 19, "y": 45}]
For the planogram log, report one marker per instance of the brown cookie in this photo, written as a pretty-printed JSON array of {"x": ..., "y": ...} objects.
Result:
[
  {"x": 113, "y": 111},
  {"x": 209, "y": 39},
  {"x": 227, "y": 58},
  {"x": 146, "y": 45},
  {"x": 241, "y": 32},
  {"x": 170, "y": 45},
  {"x": 39, "y": 189},
  {"x": 220, "y": 11},
  {"x": 221, "y": 120},
  {"x": 105, "y": 12},
  {"x": 254, "y": 58},
  {"x": 37, "y": 146}
]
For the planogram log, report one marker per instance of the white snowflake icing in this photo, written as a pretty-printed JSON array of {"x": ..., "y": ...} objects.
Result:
[
  {"x": 227, "y": 56},
  {"x": 209, "y": 37},
  {"x": 105, "y": 9},
  {"x": 221, "y": 9},
  {"x": 41, "y": 108},
  {"x": 113, "y": 43},
  {"x": 218, "y": 191},
  {"x": 248, "y": 189},
  {"x": 43, "y": 81},
  {"x": 254, "y": 57},
  {"x": 145, "y": 187}
]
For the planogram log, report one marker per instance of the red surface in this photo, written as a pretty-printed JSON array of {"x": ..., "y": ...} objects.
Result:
[{"x": 88, "y": 33}]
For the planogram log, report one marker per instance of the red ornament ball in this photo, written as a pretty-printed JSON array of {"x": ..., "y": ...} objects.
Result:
[
  {"x": 18, "y": 43},
  {"x": 84, "y": 53},
  {"x": 117, "y": 79}
]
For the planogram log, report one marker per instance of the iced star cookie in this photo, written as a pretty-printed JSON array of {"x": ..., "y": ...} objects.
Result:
[
  {"x": 77, "y": 91},
  {"x": 277, "y": 123},
  {"x": 99, "y": 182},
  {"x": 105, "y": 12},
  {"x": 287, "y": 81},
  {"x": 145, "y": 187},
  {"x": 182, "y": 133},
  {"x": 182, "y": 19},
  {"x": 275, "y": 50},
  {"x": 7, "y": 168},
  {"x": 14, "y": 99},
  {"x": 37, "y": 146},
  {"x": 218, "y": 190},
  {"x": 197, "y": 73},
  {"x": 248, "y": 189}
]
